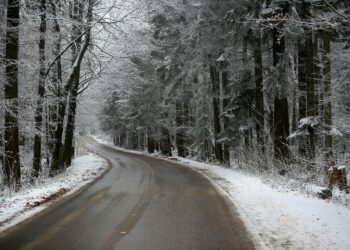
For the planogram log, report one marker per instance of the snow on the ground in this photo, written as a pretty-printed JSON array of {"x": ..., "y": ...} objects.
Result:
[
  {"x": 276, "y": 218},
  {"x": 279, "y": 219},
  {"x": 15, "y": 207}
]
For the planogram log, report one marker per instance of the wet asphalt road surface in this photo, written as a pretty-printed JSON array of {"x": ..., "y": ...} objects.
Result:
[{"x": 141, "y": 203}]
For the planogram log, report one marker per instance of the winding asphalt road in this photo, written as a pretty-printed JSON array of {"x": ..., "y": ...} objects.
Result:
[{"x": 141, "y": 203}]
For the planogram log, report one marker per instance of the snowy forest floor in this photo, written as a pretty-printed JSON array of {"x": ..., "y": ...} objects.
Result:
[
  {"x": 276, "y": 217},
  {"x": 16, "y": 207}
]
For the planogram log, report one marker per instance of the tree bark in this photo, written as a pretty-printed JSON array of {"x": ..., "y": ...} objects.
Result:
[
  {"x": 180, "y": 130},
  {"x": 165, "y": 144},
  {"x": 41, "y": 91},
  {"x": 317, "y": 71},
  {"x": 225, "y": 103},
  {"x": 214, "y": 75},
  {"x": 281, "y": 115},
  {"x": 310, "y": 91},
  {"x": 54, "y": 119},
  {"x": 59, "y": 107},
  {"x": 151, "y": 143},
  {"x": 12, "y": 172},
  {"x": 302, "y": 89},
  {"x": 68, "y": 147},
  {"x": 259, "y": 97},
  {"x": 56, "y": 157},
  {"x": 327, "y": 96},
  {"x": 56, "y": 165}
]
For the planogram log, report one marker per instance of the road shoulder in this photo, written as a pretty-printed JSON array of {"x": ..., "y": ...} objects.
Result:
[{"x": 20, "y": 208}]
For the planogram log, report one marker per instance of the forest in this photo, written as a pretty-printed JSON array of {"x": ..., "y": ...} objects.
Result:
[
  {"x": 262, "y": 85},
  {"x": 258, "y": 84}
]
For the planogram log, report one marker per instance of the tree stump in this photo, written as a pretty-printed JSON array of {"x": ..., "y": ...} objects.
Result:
[{"x": 337, "y": 176}]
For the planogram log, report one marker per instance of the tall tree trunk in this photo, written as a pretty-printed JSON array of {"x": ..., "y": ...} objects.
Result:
[
  {"x": 259, "y": 96},
  {"x": 41, "y": 91},
  {"x": 317, "y": 71},
  {"x": 61, "y": 98},
  {"x": 68, "y": 148},
  {"x": 294, "y": 106},
  {"x": 12, "y": 171},
  {"x": 247, "y": 133},
  {"x": 214, "y": 75},
  {"x": 310, "y": 91},
  {"x": 281, "y": 114},
  {"x": 180, "y": 129},
  {"x": 165, "y": 144},
  {"x": 187, "y": 121},
  {"x": 294, "y": 125},
  {"x": 56, "y": 165},
  {"x": 302, "y": 89},
  {"x": 56, "y": 157},
  {"x": 328, "y": 140},
  {"x": 225, "y": 103},
  {"x": 151, "y": 143},
  {"x": 307, "y": 81}
]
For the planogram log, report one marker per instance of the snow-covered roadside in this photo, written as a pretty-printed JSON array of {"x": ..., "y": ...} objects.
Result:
[
  {"x": 17, "y": 207},
  {"x": 277, "y": 219},
  {"x": 282, "y": 220}
]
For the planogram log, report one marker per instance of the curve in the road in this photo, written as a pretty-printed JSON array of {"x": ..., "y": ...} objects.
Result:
[{"x": 141, "y": 203}]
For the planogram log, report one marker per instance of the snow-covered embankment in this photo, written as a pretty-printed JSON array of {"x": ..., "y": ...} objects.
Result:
[
  {"x": 279, "y": 219},
  {"x": 16, "y": 207}
]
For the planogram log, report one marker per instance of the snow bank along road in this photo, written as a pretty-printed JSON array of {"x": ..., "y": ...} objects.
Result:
[{"x": 141, "y": 203}]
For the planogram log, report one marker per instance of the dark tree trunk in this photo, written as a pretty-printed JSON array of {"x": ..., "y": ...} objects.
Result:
[
  {"x": 135, "y": 138},
  {"x": 281, "y": 129},
  {"x": 56, "y": 157},
  {"x": 187, "y": 122},
  {"x": 1, "y": 154},
  {"x": 180, "y": 130},
  {"x": 157, "y": 145},
  {"x": 12, "y": 171},
  {"x": 310, "y": 91},
  {"x": 259, "y": 97},
  {"x": 302, "y": 79},
  {"x": 41, "y": 91},
  {"x": 125, "y": 137},
  {"x": 2, "y": 34},
  {"x": 56, "y": 165},
  {"x": 302, "y": 89},
  {"x": 327, "y": 96},
  {"x": 151, "y": 143},
  {"x": 317, "y": 71},
  {"x": 281, "y": 115},
  {"x": 59, "y": 108},
  {"x": 215, "y": 81},
  {"x": 165, "y": 144},
  {"x": 247, "y": 134},
  {"x": 141, "y": 140},
  {"x": 68, "y": 149},
  {"x": 225, "y": 103},
  {"x": 295, "y": 96}
]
